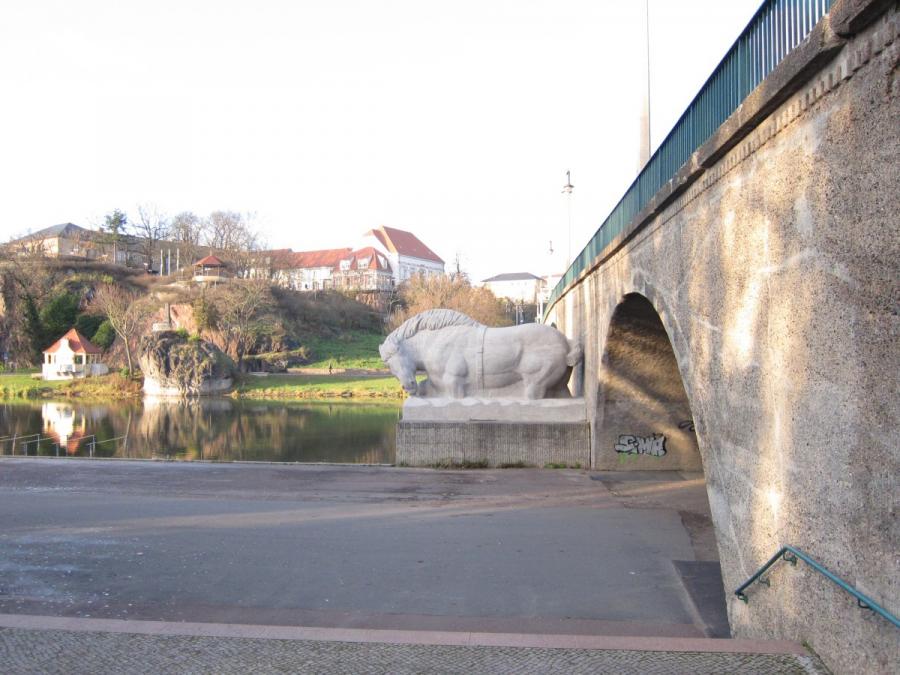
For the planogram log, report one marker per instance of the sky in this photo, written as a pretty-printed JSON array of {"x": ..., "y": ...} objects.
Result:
[{"x": 456, "y": 120}]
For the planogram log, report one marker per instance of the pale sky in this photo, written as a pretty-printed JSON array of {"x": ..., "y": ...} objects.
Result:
[{"x": 455, "y": 120}]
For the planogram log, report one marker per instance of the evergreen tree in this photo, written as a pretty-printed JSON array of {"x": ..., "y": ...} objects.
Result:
[{"x": 59, "y": 315}]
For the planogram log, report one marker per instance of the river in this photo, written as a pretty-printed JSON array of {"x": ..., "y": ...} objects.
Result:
[{"x": 220, "y": 429}]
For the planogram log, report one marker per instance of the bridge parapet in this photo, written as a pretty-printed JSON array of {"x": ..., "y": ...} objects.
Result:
[{"x": 783, "y": 45}]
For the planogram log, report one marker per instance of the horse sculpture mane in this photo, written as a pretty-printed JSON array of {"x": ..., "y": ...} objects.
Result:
[{"x": 432, "y": 319}]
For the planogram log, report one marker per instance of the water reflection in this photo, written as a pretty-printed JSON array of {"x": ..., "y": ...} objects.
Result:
[{"x": 213, "y": 429}]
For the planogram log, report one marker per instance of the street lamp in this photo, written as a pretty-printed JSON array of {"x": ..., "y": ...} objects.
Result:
[{"x": 567, "y": 190}]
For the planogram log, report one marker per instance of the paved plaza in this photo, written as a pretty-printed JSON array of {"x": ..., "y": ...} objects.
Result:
[
  {"x": 29, "y": 651},
  {"x": 548, "y": 555}
]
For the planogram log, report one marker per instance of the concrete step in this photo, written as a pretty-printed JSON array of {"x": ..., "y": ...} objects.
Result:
[{"x": 80, "y": 645}]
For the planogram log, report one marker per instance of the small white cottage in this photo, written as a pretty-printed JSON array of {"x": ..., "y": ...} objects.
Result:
[{"x": 72, "y": 356}]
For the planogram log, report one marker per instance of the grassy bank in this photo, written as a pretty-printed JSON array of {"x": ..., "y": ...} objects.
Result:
[
  {"x": 353, "y": 349},
  {"x": 294, "y": 386},
  {"x": 110, "y": 387},
  {"x": 23, "y": 385},
  {"x": 114, "y": 387}
]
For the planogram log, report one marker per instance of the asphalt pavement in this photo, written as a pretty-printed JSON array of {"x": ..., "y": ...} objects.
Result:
[{"x": 539, "y": 551}]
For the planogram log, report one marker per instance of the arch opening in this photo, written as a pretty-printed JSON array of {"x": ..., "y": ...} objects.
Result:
[
  {"x": 644, "y": 418},
  {"x": 644, "y": 423}
]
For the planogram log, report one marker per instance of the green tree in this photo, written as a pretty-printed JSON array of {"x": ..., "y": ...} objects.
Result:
[
  {"x": 115, "y": 222},
  {"x": 104, "y": 336},
  {"x": 88, "y": 324},
  {"x": 59, "y": 315},
  {"x": 206, "y": 314},
  {"x": 114, "y": 225},
  {"x": 34, "y": 330}
]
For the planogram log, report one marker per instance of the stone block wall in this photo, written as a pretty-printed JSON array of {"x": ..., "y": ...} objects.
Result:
[{"x": 494, "y": 443}]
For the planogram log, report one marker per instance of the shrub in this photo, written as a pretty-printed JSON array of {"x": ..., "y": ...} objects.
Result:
[
  {"x": 88, "y": 324},
  {"x": 104, "y": 336},
  {"x": 59, "y": 314}
]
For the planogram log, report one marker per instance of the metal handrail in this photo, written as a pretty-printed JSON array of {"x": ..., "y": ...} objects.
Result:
[
  {"x": 776, "y": 28},
  {"x": 791, "y": 555}
]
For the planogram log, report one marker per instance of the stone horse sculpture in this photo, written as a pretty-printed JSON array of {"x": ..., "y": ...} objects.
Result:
[{"x": 464, "y": 358}]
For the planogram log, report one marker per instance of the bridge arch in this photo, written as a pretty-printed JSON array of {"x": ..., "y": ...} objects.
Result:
[{"x": 644, "y": 418}]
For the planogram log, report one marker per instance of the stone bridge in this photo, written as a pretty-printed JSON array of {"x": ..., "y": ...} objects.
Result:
[{"x": 745, "y": 323}]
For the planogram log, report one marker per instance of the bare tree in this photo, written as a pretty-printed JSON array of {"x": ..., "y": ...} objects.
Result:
[
  {"x": 438, "y": 291},
  {"x": 126, "y": 312},
  {"x": 186, "y": 231},
  {"x": 230, "y": 231},
  {"x": 151, "y": 227},
  {"x": 243, "y": 309},
  {"x": 457, "y": 271},
  {"x": 233, "y": 234}
]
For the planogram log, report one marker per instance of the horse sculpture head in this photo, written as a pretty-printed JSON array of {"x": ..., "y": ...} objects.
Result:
[
  {"x": 395, "y": 350},
  {"x": 401, "y": 365}
]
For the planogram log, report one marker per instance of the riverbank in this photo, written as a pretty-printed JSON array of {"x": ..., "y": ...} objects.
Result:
[
  {"x": 356, "y": 386},
  {"x": 24, "y": 385},
  {"x": 351, "y": 384}
]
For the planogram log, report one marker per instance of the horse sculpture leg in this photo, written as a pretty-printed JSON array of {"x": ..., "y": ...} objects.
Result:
[{"x": 536, "y": 385}]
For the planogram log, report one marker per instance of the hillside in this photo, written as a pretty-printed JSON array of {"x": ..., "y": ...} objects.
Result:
[{"x": 263, "y": 326}]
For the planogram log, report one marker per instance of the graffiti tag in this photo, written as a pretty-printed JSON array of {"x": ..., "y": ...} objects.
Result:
[{"x": 654, "y": 445}]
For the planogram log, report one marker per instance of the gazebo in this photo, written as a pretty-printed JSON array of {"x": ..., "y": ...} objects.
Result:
[
  {"x": 209, "y": 269},
  {"x": 72, "y": 356}
]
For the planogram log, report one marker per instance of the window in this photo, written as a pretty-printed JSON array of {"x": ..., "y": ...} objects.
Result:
[
  {"x": 362, "y": 263},
  {"x": 345, "y": 265}
]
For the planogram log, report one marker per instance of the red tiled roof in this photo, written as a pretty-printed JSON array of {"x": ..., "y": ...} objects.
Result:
[
  {"x": 376, "y": 259},
  {"x": 330, "y": 257},
  {"x": 404, "y": 243},
  {"x": 77, "y": 343},
  {"x": 279, "y": 258},
  {"x": 209, "y": 261}
]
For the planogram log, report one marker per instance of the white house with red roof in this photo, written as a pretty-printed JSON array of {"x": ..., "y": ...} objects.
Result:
[
  {"x": 366, "y": 269},
  {"x": 307, "y": 270},
  {"x": 386, "y": 257},
  {"x": 407, "y": 254},
  {"x": 72, "y": 356}
]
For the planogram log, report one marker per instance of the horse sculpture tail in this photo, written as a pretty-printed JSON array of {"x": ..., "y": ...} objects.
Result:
[{"x": 575, "y": 355}]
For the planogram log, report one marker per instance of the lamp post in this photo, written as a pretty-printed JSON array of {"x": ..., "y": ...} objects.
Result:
[
  {"x": 567, "y": 191},
  {"x": 645, "y": 146}
]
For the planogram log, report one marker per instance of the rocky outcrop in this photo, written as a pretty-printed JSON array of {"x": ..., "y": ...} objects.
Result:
[{"x": 176, "y": 365}]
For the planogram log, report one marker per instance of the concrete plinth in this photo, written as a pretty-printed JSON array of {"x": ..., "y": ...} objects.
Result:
[
  {"x": 494, "y": 431},
  {"x": 552, "y": 410}
]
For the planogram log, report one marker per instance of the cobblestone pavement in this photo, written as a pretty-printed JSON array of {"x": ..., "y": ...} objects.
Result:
[{"x": 53, "y": 651}]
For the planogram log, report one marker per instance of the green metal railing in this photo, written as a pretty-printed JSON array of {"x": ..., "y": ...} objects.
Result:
[
  {"x": 791, "y": 555},
  {"x": 777, "y": 27}
]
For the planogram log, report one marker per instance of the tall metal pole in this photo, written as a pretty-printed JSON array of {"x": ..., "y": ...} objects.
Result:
[
  {"x": 645, "y": 145},
  {"x": 567, "y": 191}
]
